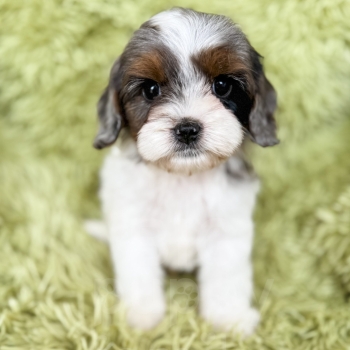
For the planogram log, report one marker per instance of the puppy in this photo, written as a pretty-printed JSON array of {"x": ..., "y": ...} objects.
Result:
[{"x": 176, "y": 191}]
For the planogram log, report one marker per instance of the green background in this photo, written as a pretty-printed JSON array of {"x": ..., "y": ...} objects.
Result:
[{"x": 56, "y": 282}]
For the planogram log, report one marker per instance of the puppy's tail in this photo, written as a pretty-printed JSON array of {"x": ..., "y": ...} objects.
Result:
[{"x": 97, "y": 229}]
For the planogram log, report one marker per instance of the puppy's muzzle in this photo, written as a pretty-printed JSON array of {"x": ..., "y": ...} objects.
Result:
[{"x": 187, "y": 131}]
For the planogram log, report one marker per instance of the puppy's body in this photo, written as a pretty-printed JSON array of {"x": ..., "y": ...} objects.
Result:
[
  {"x": 158, "y": 218},
  {"x": 175, "y": 189}
]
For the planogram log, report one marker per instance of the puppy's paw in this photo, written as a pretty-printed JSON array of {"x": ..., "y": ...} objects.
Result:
[
  {"x": 97, "y": 229},
  {"x": 147, "y": 315},
  {"x": 243, "y": 321}
]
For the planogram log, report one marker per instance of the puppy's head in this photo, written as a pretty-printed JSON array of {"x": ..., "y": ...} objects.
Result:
[{"x": 188, "y": 86}]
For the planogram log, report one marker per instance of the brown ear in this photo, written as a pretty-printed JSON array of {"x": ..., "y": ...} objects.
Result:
[
  {"x": 108, "y": 110},
  {"x": 262, "y": 125}
]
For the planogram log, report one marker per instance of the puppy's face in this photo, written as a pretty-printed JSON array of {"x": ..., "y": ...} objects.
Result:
[{"x": 189, "y": 86}]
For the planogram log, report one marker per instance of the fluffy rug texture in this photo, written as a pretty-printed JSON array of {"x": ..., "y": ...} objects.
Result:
[{"x": 55, "y": 280}]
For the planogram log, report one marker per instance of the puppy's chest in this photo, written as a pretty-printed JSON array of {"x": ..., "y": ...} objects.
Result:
[
  {"x": 176, "y": 211},
  {"x": 177, "y": 206},
  {"x": 178, "y": 216}
]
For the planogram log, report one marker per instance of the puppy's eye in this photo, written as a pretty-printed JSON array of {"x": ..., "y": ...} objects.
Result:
[
  {"x": 150, "y": 89},
  {"x": 222, "y": 85}
]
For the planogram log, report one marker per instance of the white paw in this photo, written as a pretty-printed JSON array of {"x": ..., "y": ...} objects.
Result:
[
  {"x": 147, "y": 315},
  {"x": 97, "y": 229},
  {"x": 243, "y": 321}
]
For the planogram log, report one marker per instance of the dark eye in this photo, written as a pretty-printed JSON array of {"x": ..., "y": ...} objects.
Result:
[
  {"x": 222, "y": 85},
  {"x": 151, "y": 89}
]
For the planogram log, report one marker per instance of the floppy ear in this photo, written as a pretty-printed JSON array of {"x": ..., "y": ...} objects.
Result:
[
  {"x": 262, "y": 125},
  {"x": 108, "y": 110}
]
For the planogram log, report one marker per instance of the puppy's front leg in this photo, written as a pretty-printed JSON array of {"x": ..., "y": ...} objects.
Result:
[
  {"x": 226, "y": 287},
  {"x": 139, "y": 279}
]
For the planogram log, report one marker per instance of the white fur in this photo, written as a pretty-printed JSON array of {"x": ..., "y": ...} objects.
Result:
[
  {"x": 222, "y": 134},
  {"x": 97, "y": 229},
  {"x": 157, "y": 218}
]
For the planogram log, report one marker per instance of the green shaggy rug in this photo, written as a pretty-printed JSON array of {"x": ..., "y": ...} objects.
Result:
[{"x": 55, "y": 280}]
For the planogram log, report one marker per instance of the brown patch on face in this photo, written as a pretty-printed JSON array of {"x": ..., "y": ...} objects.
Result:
[
  {"x": 219, "y": 60},
  {"x": 156, "y": 63},
  {"x": 149, "y": 65},
  {"x": 222, "y": 60}
]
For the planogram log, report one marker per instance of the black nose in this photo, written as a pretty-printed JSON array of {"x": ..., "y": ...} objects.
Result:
[{"x": 187, "y": 132}]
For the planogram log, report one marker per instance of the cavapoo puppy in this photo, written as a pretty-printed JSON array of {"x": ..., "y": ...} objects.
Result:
[{"x": 176, "y": 191}]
